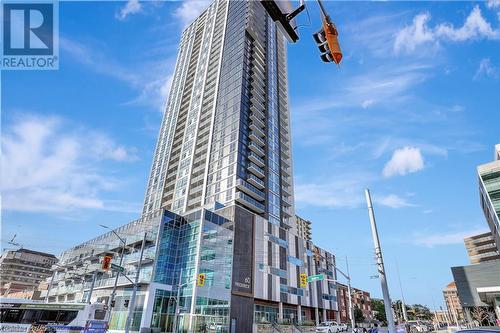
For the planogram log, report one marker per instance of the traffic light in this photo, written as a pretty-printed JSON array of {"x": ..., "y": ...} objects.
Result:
[
  {"x": 317, "y": 255},
  {"x": 106, "y": 262},
  {"x": 125, "y": 303},
  {"x": 328, "y": 42},
  {"x": 303, "y": 279},
  {"x": 201, "y": 279}
]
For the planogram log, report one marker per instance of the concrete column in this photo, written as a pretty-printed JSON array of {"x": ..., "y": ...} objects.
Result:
[
  {"x": 299, "y": 313},
  {"x": 324, "y": 315},
  {"x": 280, "y": 311},
  {"x": 316, "y": 315}
]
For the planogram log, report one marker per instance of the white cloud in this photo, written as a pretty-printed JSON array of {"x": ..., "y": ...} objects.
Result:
[
  {"x": 345, "y": 190},
  {"x": 493, "y": 4},
  {"x": 367, "y": 103},
  {"x": 444, "y": 238},
  {"x": 486, "y": 69},
  {"x": 393, "y": 201},
  {"x": 47, "y": 166},
  {"x": 419, "y": 33},
  {"x": 475, "y": 27},
  {"x": 190, "y": 9},
  {"x": 152, "y": 86},
  {"x": 405, "y": 160},
  {"x": 131, "y": 7},
  {"x": 414, "y": 35}
]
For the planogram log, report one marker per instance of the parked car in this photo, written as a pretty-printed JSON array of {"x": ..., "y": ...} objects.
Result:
[
  {"x": 343, "y": 327},
  {"x": 328, "y": 327},
  {"x": 417, "y": 326}
]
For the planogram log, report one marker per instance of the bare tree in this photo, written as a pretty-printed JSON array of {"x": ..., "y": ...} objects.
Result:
[{"x": 482, "y": 315}]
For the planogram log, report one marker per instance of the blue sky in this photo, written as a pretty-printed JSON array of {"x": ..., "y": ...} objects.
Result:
[{"x": 410, "y": 113}]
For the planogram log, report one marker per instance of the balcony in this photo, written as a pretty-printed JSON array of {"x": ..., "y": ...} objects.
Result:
[
  {"x": 256, "y": 170},
  {"x": 258, "y": 111},
  {"x": 256, "y": 138},
  {"x": 257, "y": 129},
  {"x": 286, "y": 171},
  {"x": 257, "y": 102},
  {"x": 256, "y": 159},
  {"x": 286, "y": 201},
  {"x": 250, "y": 190},
  {"x": 249, "y": 202},
  {"x": 287, "y": 212},
  {"x": 257, "y": 120},
  {"x": 256, "y": 149},
  {"x": 258, "y": 90},
  {"x": 285, "y": 162},
  {"x": 258, "y": 183}
]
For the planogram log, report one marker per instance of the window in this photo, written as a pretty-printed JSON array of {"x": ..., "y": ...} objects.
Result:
[
  {"x": 11, "y": 316},
  {"x": 98, "y": 315}
]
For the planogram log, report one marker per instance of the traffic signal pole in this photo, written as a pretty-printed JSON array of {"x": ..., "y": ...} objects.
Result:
[
  {"x": 131, "y": 307},
  {"x": 113, "y": 293},
  {"x": 94, "y": 277},
  {"x": 380, "y": 265}
]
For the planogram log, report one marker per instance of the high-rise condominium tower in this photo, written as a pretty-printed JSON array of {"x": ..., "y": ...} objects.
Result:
[
  {"x": 489, "y": 189},
  {"x": 225, "y": 134}
]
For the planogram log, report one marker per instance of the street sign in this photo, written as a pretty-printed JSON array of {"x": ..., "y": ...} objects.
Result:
[
  {"x": 117, "y": 268},
  {"x": 318, "y": 277}
]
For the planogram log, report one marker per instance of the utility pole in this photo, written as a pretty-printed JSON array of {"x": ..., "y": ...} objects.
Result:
[
  {"x": 380, "y": 265},
  {"x": 349, "y": 291},
  {"x": 405, "y": 317},
  {"x": 131, "y": 306}
]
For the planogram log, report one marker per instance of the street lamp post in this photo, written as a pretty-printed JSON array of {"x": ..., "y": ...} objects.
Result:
[
  {"x": 113, "y": 293},
  {"x": 49, "y": 288},
  {"x": 348, "y": 277},
  {"x": 128, "y": 323},
  {"x": 380, "y": 265},
  {"x": 91, "y": 291},
  {"x": 179, "y": 286}
]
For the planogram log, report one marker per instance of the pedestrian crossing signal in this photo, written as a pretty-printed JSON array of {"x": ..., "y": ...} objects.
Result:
[
  {"x": 201, "y": 279},
  {"x": 106, "y": 262},
  {"x": 303, "y": 279}
]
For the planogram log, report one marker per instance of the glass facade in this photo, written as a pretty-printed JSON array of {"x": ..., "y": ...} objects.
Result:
[{"x": 199, "y": 243}]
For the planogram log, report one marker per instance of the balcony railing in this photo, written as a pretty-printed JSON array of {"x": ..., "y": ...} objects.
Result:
[
  {"x": 256, "y": 170},
  {"x": 255, "y": 181},
  {"x": 249, "y": 202},
  {"x": 256, "y": 149},
  {"x": 256, "y": 159},
  {"x": 250, "y": 190}
]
